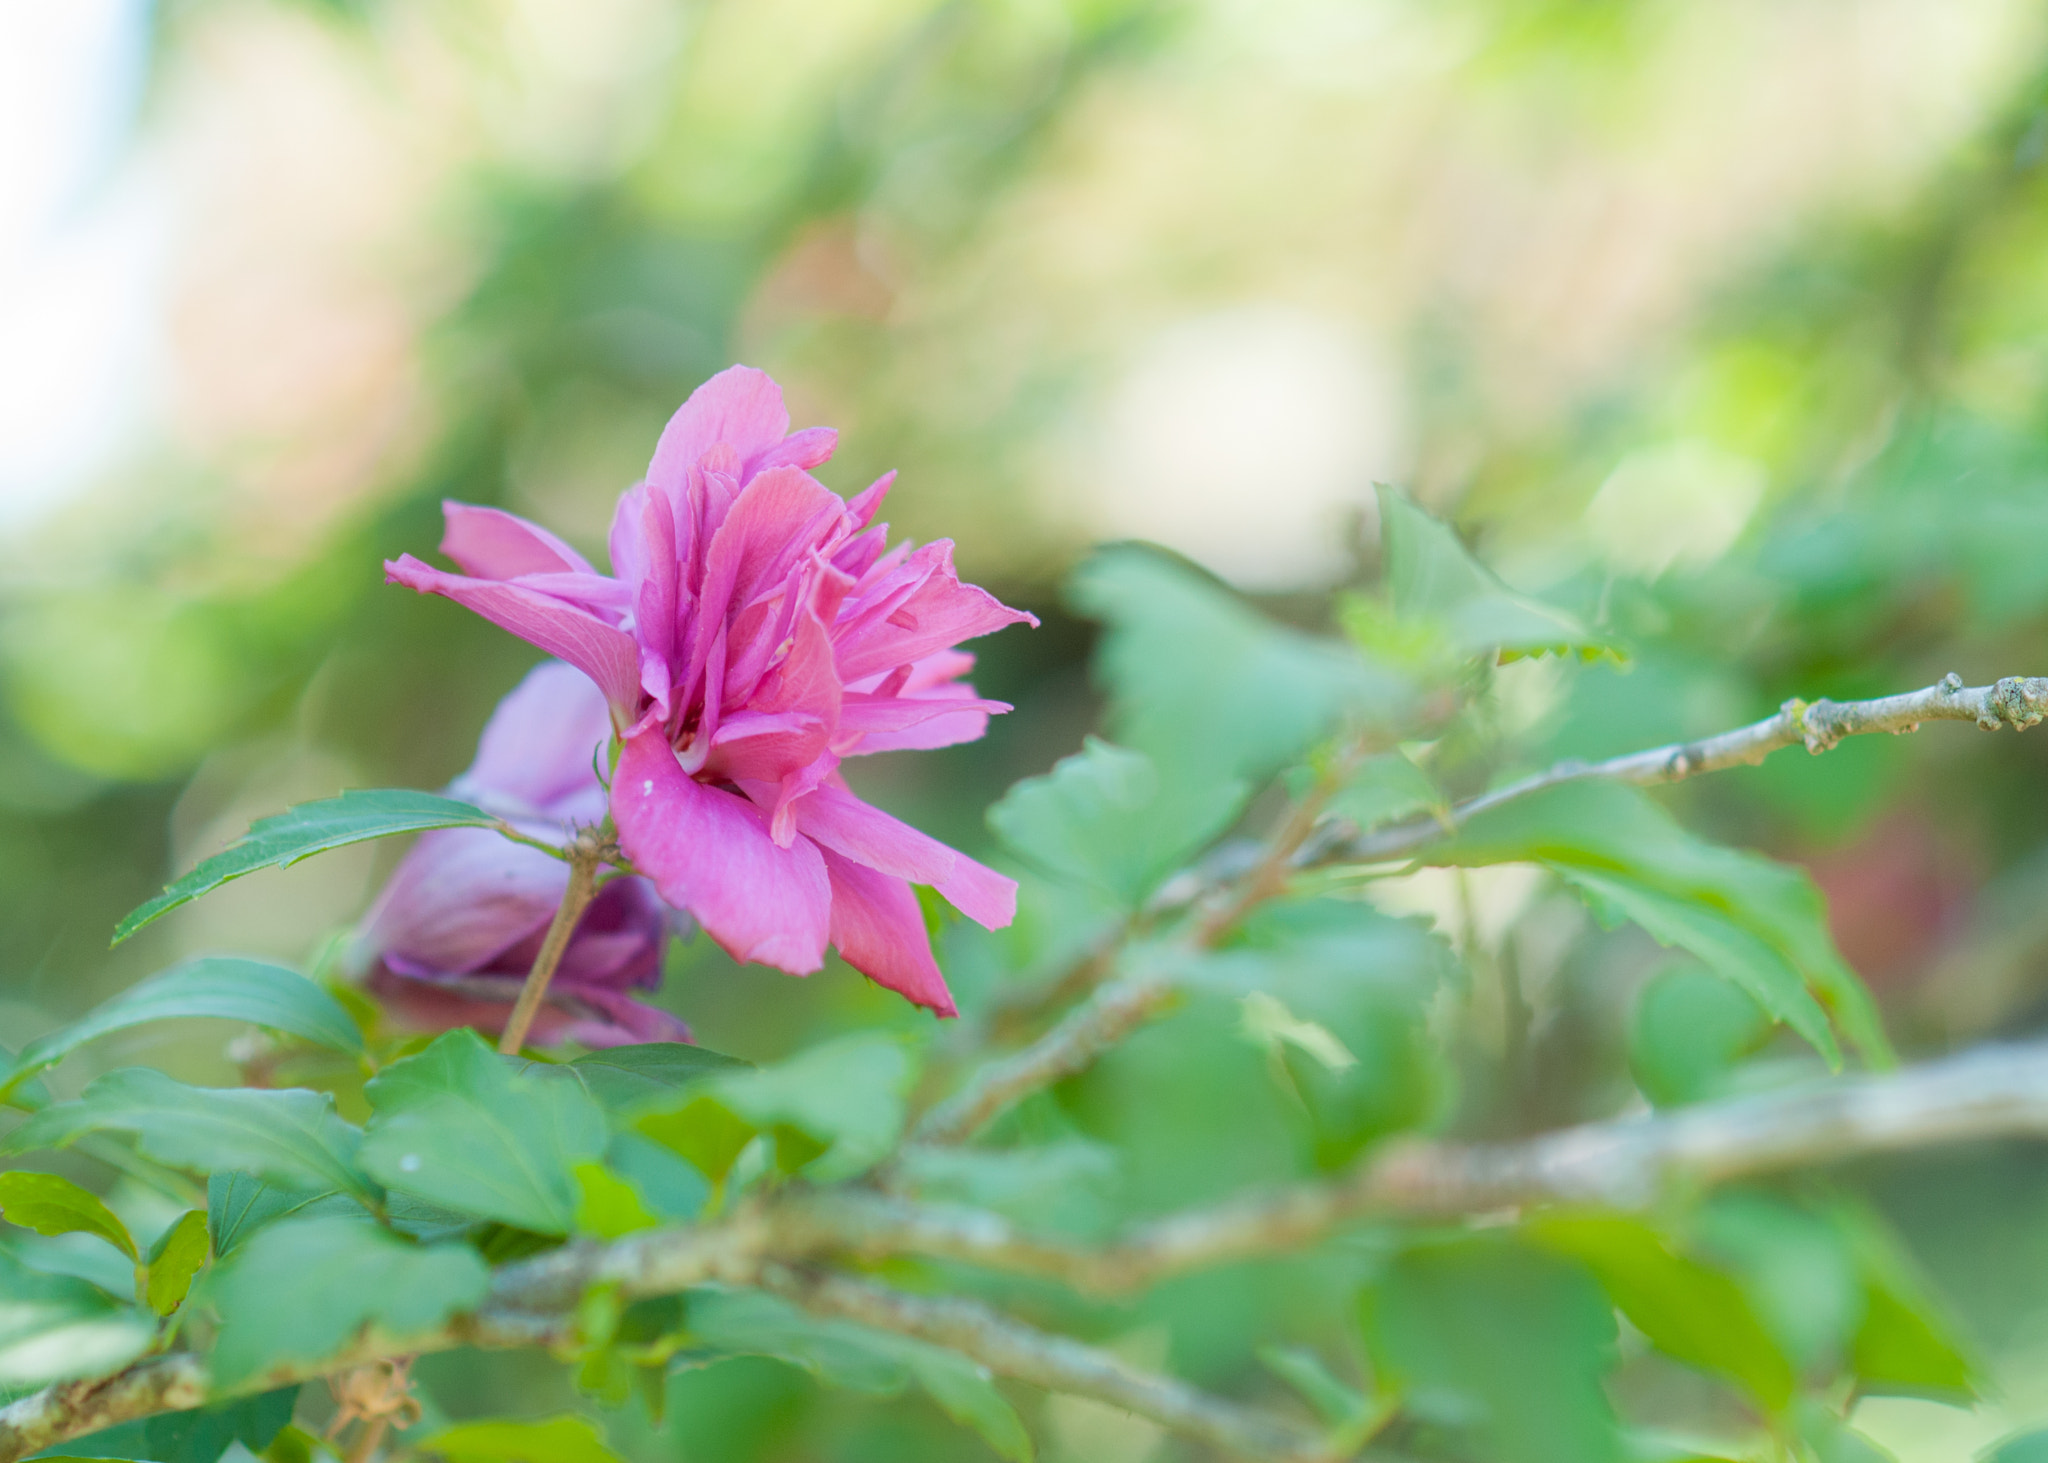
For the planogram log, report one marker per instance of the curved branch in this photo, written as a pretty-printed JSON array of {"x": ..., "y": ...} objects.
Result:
[
  {"x": 2017, "y": 701},
  {"x": 1053, "y": 1362}
]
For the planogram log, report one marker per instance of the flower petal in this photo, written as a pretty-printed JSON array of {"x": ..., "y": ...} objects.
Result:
[
  {"x": 709, "y": 852},
  {"x": 603, "y": 652},
  {"x": 490, "y": 543},
  {"x": 807, "y": 449},
  {"x": 842, "y": 824},
  {"x": 540, "y": 746},
  {"x": 919, "y": 608},
  {"x": 460, "y": 898},
  {"x": 879, "y": 930},
  {"x": 740, "y": 407}
]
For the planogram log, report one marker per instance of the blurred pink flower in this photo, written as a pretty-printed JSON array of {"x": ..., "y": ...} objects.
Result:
[
  {"x": 753, "y": 634},
  {"x": 451, "y": 938}
]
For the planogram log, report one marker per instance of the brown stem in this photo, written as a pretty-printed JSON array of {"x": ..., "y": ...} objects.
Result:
[{"x": 584, "y": 857}]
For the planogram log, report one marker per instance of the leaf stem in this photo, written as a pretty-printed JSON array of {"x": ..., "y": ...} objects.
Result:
[{"x": 585, "y": 854}]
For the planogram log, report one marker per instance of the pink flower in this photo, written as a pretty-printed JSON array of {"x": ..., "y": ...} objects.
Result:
[
  {"x": 451, "y": 938},
  {"x": 753, "y": 633}
]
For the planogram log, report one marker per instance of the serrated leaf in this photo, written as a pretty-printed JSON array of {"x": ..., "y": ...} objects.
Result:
[
  {"x": 226, "y": 987},
  {"x": 300, "y": 1289},
  {"x": 1102, "y": 817},
  {"x": 479, "y": 1133},
  {"x": 1758, "y": 923},
  {"x": 564, "y": 1439},
  {"x": 1903, "y": 1344},
  {"x": 48, "y": 1203},
  {"x": 57, "y": 1327},
  {"x": 174, "y": 1259},
  {"x": 293, "y": 1136},
  {"x": 1433, "y": 578},
  {"x": 298, "y": 833},
  {"x": 239, "y": 1204},
  {"x": 1689, "y": 1310},
  {"x": 1209, "y": 688},
  {"x": 621, "y": 1076}
]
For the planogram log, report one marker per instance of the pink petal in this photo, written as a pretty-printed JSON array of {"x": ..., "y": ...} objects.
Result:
[
  {"x": 776, "y": 521},
  {"x": 842, "y": 824},
  {"x": 709, "y": 852},
  {"x": 541, "y": 744},
  {"x": 603, "y": 652},
  {"x": 461, "y": 897},
  {"x": 739, "y": 407},
  {"x": 864, "y": 505},
  {"x": 921, "y": 609},
  {"x": 883, "y": 714},
  {"x": 879, "y": 930},
  {"x": 952, "y": 727},
  {"x": 490, "y": 543},
  {"x": 808, "y": 448}
]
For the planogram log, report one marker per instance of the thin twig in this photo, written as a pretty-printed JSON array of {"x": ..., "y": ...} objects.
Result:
[
  {"x": 1091, "y": 1028},
  {"x": 585, "y": 854},
  {"x": 1056, "y": 1363},
  {"x": 2017, "y": 701}
]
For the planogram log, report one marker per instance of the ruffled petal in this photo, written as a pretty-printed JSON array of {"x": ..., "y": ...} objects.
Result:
[
  {"x": 809, "y": 448},
  {"x": 879, "y": 930},
  {"x": 709, "y": 852},
  {"x": 919, "y": 608},
  {"x": 605, "y": 653},
  {"x": 739, "y": 407},
  {"x": 490, "y": 543},
  {"x": 842, "y": 824}
]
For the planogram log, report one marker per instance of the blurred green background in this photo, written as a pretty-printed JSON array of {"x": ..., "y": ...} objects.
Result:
[{"x": 1726, "y": 323}]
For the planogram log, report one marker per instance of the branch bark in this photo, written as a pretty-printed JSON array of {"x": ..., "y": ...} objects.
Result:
[{"x": 2016, "y": 701}]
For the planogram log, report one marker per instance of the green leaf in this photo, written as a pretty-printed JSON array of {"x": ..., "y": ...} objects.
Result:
[
  {"x": 1834, "y": 1441},
  {"x": 847, "y": 1094},
  {"x": 563, "y": 1439},
  {"x": 300, "y": 1290},
  {"x": 1798, "y": 1268},
  {"x": 966, "y": 1392},
  {"x": 621, "y": 1076},
  {"x": 1510, "y": 1345},
  {"x": 703, "y": 1130},
  {"x": 1759, "y": 924},
  {"x": 227, "y": 987},
  {"x": 479, "y": 1133},
  {"x": 1365, "y": 979},
  {"x": 1689, "y": 1030},
  {"x": 51, "y": 1204},
  {"x": 310, "y": 828},
  {"x": 751, "y": 1323},
  {"x": 1209, "y": 688},
  {"x": 174, "y": 1259},
  {"x": 1903, "y": 1346},
  {"x": 239, "y": 1204},
  {"x": 292, "y": 1136},
  {"x": 1383, "y": 789},
  {"x": 1101, "y": 817},
  {"x": 201, "y": 1435},
  {"x": 2027, "y": 1447},
  {"x": 607, "y": 1205},
  {"x": 1690, "y": 1311},
  {"x": 1337, "y": 1404},
  {"x": 56, "y": 1327},
  {"x": 844, "y": 1355},
  {"x": 1434, "y": 579}
]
